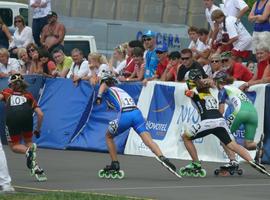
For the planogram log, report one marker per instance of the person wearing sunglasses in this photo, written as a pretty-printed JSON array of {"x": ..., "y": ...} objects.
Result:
[
  {"x": 235, "y": 69},
  {"x": 151, "y": 59},
  {"x": 22, "y": 36},
  {"x": 215, "y": 63},
  {"x": 187, "y": 64}
]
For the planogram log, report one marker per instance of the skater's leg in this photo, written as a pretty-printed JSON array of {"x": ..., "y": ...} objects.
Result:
[
  {"x": 231, "y": 155},
  {"x": 18, "y": 148},
  {"x": 111, "y": 146},
  {"x": 190, "y": 147},
  {"x": 241, "y": 151},
  {"x": 148, "y": 141},
  {"x": 250, "y": 145}
]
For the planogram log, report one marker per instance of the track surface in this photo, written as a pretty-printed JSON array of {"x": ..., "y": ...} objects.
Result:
[{"x": 144, "y": 177}]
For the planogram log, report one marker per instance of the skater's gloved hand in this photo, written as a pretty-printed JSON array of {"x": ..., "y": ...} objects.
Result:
[
  {"x": 37, "y": 133},
  {"x": 189, "y": 93},
  {"x": 98, "y": 100}
]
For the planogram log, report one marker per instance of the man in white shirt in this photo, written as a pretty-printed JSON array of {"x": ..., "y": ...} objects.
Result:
[
  {"x": 79, "y": 67},
  {"x": 235, "y": 8},
  {"x": 8, "y": 65},
  {"x": 40, "y": 10},
  {"x": 195, "y": 44}
]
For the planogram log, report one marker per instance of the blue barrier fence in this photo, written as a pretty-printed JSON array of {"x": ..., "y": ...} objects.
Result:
[{"x": 73, "y": 121}]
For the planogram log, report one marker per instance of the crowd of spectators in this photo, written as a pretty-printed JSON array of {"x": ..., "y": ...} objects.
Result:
[{"x": 227, "y": 45}]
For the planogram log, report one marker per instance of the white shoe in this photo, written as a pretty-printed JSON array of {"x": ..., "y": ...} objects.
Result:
[{"x": 7, "y": 189}]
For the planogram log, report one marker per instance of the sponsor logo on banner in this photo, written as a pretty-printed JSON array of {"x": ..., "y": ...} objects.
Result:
[
  {"x": 239, "y": 135},
  {"x": 161, "y": 111}
]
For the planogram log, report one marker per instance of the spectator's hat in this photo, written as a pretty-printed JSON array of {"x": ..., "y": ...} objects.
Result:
[
  {"x": 162, "y": 48},
  {"x": 149, "y": 33},
  {"x": 226, "y": 55},
  {"x": 52, "y": 14},
  {"x": 174, "y": 55}
]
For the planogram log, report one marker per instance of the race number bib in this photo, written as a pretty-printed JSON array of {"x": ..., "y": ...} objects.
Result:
[
  {"x": 17, "y": 100},
  {"x": 210, "y": 103}
]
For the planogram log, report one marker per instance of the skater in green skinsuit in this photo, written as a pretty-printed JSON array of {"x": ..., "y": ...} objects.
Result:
[{"x": 244, "y": 113}]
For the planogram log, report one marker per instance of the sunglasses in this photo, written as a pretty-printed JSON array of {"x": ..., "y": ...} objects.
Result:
[
  {"x": 215, "y": 61},
  {"x": 31, "y": 50},
  {"x": 147, "y": 39},
  {"x": 18, "y": 21},
  {"x": 224, "y": 60},
  {"x": 185, "y": 58}
]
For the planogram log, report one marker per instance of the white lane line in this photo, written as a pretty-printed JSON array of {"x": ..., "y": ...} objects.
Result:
[{"x": 175, "y": 187}]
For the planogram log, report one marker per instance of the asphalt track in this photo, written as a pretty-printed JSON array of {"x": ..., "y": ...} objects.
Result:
[{"x": 145, "y": 177}]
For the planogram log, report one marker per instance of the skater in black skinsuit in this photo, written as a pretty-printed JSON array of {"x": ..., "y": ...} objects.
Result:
[{"x": 212, "y": 122}]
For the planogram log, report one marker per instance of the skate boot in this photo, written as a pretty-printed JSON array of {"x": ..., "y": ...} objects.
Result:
[
  {"x": 38, "y": 173},
  {"x": 167, "y": 163},
  {"x": 193, "y": 169},
  {"x": 112, "y": 171},
  {"x": 259, "y": 167},
  {"x": 31, "y": 156},
  {"x": 259, "y": 150},
  {"x": 229, "y": 169}
]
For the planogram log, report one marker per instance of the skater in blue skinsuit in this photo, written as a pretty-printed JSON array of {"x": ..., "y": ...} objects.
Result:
[{"x": 128, "y": 116}]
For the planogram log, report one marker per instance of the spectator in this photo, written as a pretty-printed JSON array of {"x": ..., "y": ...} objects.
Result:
[
  {"x": 47, "y": 64},
  {"x": 63, "y": 63},
  {"x": 5, "y": 36},
  {"x": 24, "y": 61},
  {"x": 260, "y": 15},
  {"x": 237, "y": 70},
  {"x": 251, "y": 65},
  {"x": 263, "y": 57},
  {"x": 40, "y": 10},
  {"x": 119, "y": 57},
  {"x": 234, "y": 35},
  {"x": 195, "y": 45},
  {"x": 52, "y": 35},
  {"x": 8, "y": 66},
  {"x": 33, "y": 54},
  {"x": 163, "y": 59},
  {"x": 205, "y": 50},
  {"x": 22, "y": 36},
  {"x": 170, "y": 73},
  {"x": 235, "y": 8},
  {"x": 129, "y": 68},
  {"x": 138, "y": 72},
  {"x": 209, "y": 8},
  {"x": 216, "y": 64},
  {"x": 187, "y": 64},
  {"x": 79, "y": 67},
  {"x": 99, "y": 62},
  {"x": 151, "y": 59}
]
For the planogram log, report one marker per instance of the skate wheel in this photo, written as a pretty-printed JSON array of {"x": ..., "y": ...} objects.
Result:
[
  {"x": 195, "y": 174},
  {"x": 107, "y": 175},
  {"x": 182, "y": 171},
  {"x": 216, "y": 172},
  {"x": 190, "y": 174},
  {"x": 231, "y": 172},
  {"x": 202, "y": 173},
  {"x": 121, "y": 174},
  {"x": 240, "y": 172},
  {"x": 101, "y": 173},
  {"x": 41, "y": 178},
  {"x": 114, "y": 175}
]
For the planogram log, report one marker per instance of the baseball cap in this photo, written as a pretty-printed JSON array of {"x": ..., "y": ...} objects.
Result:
[
  {"x": 149, "y": 33},
  {"x": 226, "y": 55},
  {"x": 52, "y": 13},
  {"x": 162, "y": 47}
]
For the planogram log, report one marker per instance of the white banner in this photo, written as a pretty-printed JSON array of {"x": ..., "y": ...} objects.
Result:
[{"x": 167, "y": 133}]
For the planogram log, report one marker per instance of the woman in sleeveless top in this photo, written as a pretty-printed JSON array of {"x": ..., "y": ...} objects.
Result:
[{"x": 260, "y": 15}]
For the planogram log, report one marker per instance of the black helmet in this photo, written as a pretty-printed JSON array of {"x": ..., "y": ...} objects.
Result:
[
  {"x": 220, "y": 75},
  {"x": 108, "y": 77},
  {"x": 15, "y": 77},
  {"x": 195, "y": 74}
]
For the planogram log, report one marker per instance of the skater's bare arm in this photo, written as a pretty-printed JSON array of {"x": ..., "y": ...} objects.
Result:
[
  {"x": 1, "y": 97},
  {"x": 221, "y": 108},
  {"x": 39, "y": 118},
  {"x": 102, "y": 88}
]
